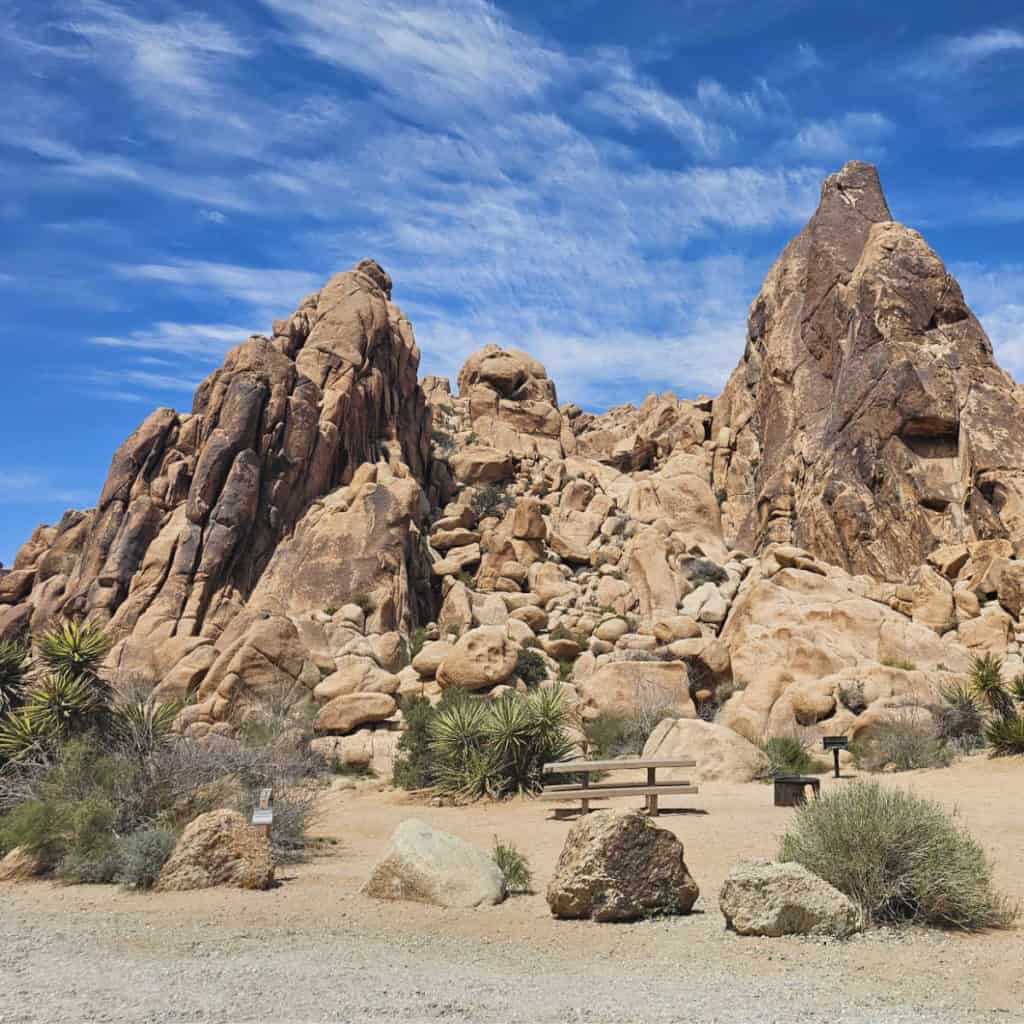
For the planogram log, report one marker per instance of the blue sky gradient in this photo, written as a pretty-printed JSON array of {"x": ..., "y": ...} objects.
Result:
[{"x": 602, "y": 184}]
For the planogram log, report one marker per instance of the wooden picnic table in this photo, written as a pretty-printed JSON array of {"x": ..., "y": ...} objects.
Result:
[{"x": 585, "y": 791}]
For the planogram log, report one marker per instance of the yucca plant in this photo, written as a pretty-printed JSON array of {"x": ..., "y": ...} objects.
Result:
[
  {"x": 67, "y": 704},
  {"x": 140, "y": 726},
  {"x": 959, "y": 717},
  {"x": 76, "y": 648},
  {"x": 13, "y": 668},
  {"x": 1017, "y": 688},
  {"x": 513, "y": 865},
  {"x": 987, "y": 680},
  {"x": 1005, "y": 736},
  {"x": 21, "y": 734}
]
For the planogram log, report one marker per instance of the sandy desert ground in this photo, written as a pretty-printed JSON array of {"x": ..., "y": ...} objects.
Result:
[{"x": 313, "y": 949}]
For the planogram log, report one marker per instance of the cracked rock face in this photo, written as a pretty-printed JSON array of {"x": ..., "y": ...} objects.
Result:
[{"x": 867, "y": 421}]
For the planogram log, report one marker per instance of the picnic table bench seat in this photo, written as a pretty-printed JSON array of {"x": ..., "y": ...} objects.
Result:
[{"x": 586, "y": 791}]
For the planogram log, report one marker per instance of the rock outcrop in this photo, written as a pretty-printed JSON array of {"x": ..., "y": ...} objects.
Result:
[{"x": 867, "y": 421}]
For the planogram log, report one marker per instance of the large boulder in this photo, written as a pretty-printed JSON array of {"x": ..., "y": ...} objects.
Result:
[
  {"x": 425, "y": 865},
  {"x": 619, "y": 866},
  {"x": 626, "y": 686},
  {"x": 219, "y": 848},
  {"x": 721, "y": 754},
  {"x": 484, "y": 656},
  {"x": 760, "y": 897},
  {"x": 351, "y": 710}
]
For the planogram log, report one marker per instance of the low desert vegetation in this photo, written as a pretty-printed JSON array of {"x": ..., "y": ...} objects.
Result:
[
  {"x": 513, "y": 864},
  {"x": 908, "y": 740},
  {"x": 622, "y": 734},
  {"x": 95, "y": 782},
  {"x": 790, "y": 755},
  {"x": 904, "y": 664},
  {"x": 490, "y": 501},
  {"x": 531, "y": 666},
  {"x": 900, "y": 857},
  {"x": 471, "y": 747}
]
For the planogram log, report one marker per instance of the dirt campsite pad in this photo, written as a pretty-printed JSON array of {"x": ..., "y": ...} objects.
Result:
[{"x": 314, "y": 949}]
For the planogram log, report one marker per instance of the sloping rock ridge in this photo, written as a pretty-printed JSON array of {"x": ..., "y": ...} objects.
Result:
[{"x": 824, "y": 544}]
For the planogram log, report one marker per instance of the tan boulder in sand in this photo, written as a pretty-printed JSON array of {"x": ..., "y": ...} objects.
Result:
[
  {"x": 219, "y": 848},
  {"x": 484, "y": 656}
]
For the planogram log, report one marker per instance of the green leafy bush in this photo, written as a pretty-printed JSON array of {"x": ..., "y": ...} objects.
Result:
[
  {"x": 417, "y": 641},
  {"x": 489, "y": 501},
  {"x": 412, "y": 765},
  {"x": 513, "y": 865},
  {"x": 907, "y": 740},
  {"x": 1005, "y": 736},
  {"x": 531, "y": 667},
  {"x": 141, "y": 856},
  {"x": 790, "y": 755},
  {"x": 613, "y": 734},
  {"x": 900, "y": 857}
]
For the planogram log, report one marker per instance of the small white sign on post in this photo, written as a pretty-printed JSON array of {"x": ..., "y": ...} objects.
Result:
[{"x": 263, "y": 816}]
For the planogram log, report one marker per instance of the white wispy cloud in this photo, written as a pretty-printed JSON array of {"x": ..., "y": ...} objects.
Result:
[
  {"x": 22, "y": 486},
  {"x": 854, "y": 135},
  {"x": 1000, "y": 138},
  {"x": 256, "y": 288},
  {"x": 996, "y": 294},
  {"x": 960, "y": 53},
  {"x": 200, "y": 340}
]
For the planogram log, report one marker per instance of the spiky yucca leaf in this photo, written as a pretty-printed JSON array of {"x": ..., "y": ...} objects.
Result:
[
  {"x": 13, "y": 668},
  {"x": 987, "y": 679},
  {"x": 73, "y": 647},
  {"x": 66, "y": 703},
  {"x": 140, "y": 726},
  {"x": 1017, "y": 687},
  {"x": 458, "y": 729},
  {"x": 1006, "y": 737},
  {"x": 21, "y": 734}
]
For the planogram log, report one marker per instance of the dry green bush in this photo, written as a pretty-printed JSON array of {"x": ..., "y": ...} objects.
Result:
[
  {"x": 900, "y": 857},
  {"x": 908, "y": 740}
]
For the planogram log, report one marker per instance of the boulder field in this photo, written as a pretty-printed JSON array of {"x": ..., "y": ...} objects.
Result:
[{"x": 835, "y": 535}]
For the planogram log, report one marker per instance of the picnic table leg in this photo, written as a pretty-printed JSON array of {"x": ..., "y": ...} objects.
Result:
[
  {"x": 585, "y": 803},
  {"x": 652, "y": 798}
]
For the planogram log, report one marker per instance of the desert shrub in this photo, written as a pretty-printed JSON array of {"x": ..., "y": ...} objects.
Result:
[
  {"x": 1005, "y": 736},
  {"x": 364, "y": 603},
  {"x": 904, "y": 664},
  {"x": 513, "y": 865},
  {"x": 565, "y": 670},
  {"x": 612, "y": 734},
  {"x": 483, "y": 747},
  {"x": 489, "y": 501},
  {"x": 790, "y": 755},
  {"x": 852, "y": 698},
  {"x": 141, "y": 855},
  {"x": 958, "y": 717},
  {"x": 654, "y": 703},
  {"x": 76, "y": 648},
  {"x": 987, "y": 682},
  {"x": 13, "y": 669},
  {"x": 1017, "y": 687},
  {"x": 909, "y": 739},
  {"x": 295, "y": 812},
  {"x": 331, "y": 610},
  {"x": 900, "y": 857},
  {"x": 417, "y": 641},
  {"x": 531, "y": 667},
  {"x": 412, "y": 768}
]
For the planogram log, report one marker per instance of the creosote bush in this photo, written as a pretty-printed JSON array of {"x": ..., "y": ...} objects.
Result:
[
  {"x": 531, "y": 667},
  {"x": 909, "y": 739},
  {"x": 790, "y": 755},
  {"x": 616, "y": 733},
  {"x": 900, "y": 857},
  {"x": 142, "y": 855},
  {"x": 513, "y": 865}
]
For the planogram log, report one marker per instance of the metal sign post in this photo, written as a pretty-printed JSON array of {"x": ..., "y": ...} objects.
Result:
[
  {"x": 835, "y": 744},
  {"x": 263, "y": 812}
]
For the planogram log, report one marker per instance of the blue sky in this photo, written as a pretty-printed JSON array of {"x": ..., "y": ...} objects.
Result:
[{"x": 602, "y": 184}]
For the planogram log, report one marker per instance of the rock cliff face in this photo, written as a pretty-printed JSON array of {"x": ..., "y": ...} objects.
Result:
[
  {"x": 822, "y": 546},
  {"x": 867, "y": 420}
]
